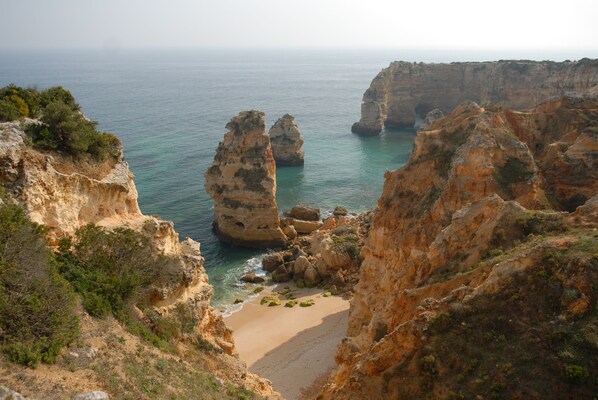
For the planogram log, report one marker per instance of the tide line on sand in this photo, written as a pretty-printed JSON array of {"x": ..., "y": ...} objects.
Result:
[{"x": 291, "y": 347}]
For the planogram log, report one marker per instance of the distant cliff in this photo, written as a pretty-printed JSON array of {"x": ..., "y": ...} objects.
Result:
[
  {"x": 479, "y": 272},
  {"x": 404, "y": 92}
]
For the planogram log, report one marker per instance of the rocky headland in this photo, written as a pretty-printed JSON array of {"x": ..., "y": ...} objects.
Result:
[
  {"x": 479, "y": 270},
  {"x": 405, "y": 91},
  {"x": 242, "y": 182},
  {"x": 286, "y": 141},
  {"x": 64, "y": 194}
]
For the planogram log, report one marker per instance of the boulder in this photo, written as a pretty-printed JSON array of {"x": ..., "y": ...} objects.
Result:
[
  {"x": 304, "y": 227},
  {"x": 311, "y": 277},
  {"x": 94, "y": 395},
  {"x": 7, "y": 394},
  {"x": 281, "y": 274},
  {"x": 338, "y": 210},
  {"x": 304, "y": 213},
  {"x": 272, "y": 261},
  {"x": 251, "y": 277},
  {"x": 301, "y": 265}
]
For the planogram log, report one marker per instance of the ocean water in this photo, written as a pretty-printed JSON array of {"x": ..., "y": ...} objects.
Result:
[{"x": 170, "y": 107}]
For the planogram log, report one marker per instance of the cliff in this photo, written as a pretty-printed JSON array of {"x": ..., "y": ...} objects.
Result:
[
  {"x": 65, "y": 194},
  {"x": 242, "y": 182},
  {"x": 404, "y": 92},
  {"x": 286, "y": 141},
  {"x": 478, "y": 271}
]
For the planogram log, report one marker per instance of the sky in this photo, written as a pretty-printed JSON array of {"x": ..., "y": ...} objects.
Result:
[{"x": 456, "y": 24}]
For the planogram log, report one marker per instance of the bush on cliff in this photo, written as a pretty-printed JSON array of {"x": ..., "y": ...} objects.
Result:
[
  {"x": 110, "y": 269},
  {"x": 65, "y": 129},
  {"x": 37, "y": 307},
  {"x": 61, "y": 127}
]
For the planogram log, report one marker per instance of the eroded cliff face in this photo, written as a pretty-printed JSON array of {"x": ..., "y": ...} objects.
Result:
[
  {"x": 65, "y": 195},
  {"x": 242, "y": 182},
  {"x": 471, "y": 246},
  {"x": 286, "y": 141},
  {"x": 404, "y": 91}
]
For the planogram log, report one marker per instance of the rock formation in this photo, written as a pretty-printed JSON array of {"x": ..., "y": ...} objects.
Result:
[
  {"x": 242, "y": 182},
  {"x": 474, "y": 281},
  {"x": 65, "y": 195},
  {"x": 404, "y": 90},
  {"x": 286, "y": 141}
]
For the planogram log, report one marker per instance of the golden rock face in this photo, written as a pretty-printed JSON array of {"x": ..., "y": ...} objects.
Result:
[
  {"x": 242, "y": 183},
  {"x": 484, "y": 200}
]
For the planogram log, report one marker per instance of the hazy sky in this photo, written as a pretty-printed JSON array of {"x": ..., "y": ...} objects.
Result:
[{"x": 462, "y": 24}]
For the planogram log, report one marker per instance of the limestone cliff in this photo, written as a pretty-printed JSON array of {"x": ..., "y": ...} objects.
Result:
[
  {"x": 65, "y": 194},
  {"x": 468, "y": 289},
  {"x": 242, "y": 182},
  {"x": 404, "y": 92},
  {"x": 286, "y": 141}
]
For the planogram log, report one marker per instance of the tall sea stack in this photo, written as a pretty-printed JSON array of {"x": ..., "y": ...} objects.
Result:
[
  {"x": 286, "y": 140},
  {"x": 242, "y": 183},
  {"x": 404, "y": 91}
]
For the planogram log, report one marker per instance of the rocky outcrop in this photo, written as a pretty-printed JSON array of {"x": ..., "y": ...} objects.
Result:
[
  {"x": 65, "y": 194},
  {"x": 404, "y": 90},
  {"x": 471, "y": 268},
  {"x": 242, "y": 182},
  {"x": 286, "y": 141},
  {"x": 431, "y": 117}
]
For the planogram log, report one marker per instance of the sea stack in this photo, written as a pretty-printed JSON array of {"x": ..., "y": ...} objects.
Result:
[
  {"x": 286, "y": 140},
  {"x": 242, "y": 183}
]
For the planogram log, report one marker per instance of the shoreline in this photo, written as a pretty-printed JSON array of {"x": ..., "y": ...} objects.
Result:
[{"x": 278, "y": 342}]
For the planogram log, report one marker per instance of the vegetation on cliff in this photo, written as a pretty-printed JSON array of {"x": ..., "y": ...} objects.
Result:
[
  {"x": 59, "y": 124},
  {"x": 37, "y": 306}
]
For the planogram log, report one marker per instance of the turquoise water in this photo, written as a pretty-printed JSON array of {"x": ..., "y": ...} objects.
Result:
[{"x": 170, "y": 109}]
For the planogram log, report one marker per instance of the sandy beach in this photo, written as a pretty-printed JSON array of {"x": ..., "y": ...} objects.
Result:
[{"x": 290, "y": 346}]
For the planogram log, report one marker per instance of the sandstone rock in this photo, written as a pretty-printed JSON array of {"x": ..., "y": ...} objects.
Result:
[
  {"x": 298, "y": 252},
  {"x": 451, "y": 232},
  {"x": 7, "y": 394},
  {"x": 404, "y": 90},
  {"x": 301, "y": 265},
  {"x": 272, "y": 261},
  {"x": 328, "y": 224},
  {"x": 251, "y": 277},
  {"x": 311, "y": 277},
  {"x": 340, "y": 211},
  {"x": 432, "y": 116},
  {"x": 242, "y": 183},
  {"x": 94, "y": 395},
  {"x": 304, "y": 213},
  {"x": 281, "y": 274},
  {"x": 304, "y": 227},
  {"x": 286, "y": 142}
]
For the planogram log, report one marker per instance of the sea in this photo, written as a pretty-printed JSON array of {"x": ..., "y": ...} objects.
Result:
[{"x": 170, "y": 108}]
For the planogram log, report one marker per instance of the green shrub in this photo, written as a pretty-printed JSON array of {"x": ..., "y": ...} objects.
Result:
[
  {"x": 64, "y": 129},
  {"x": 110, "y": 269},
  {"x": 37, "y": 307},
  {"x": 576, "y": 373},
  {"x": 8, "y": 111},
  {"x": 514, "y": 171},
  {"x": 62, "y": 126}
]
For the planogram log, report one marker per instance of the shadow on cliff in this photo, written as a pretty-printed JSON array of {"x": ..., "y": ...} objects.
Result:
[{"x": 298, "y": 362}]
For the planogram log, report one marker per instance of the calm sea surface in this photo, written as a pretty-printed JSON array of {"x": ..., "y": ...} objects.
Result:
[{"x": 170, "y": 108}]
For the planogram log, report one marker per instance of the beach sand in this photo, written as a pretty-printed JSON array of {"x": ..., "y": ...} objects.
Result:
[{"x": 290, "y": 346}]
